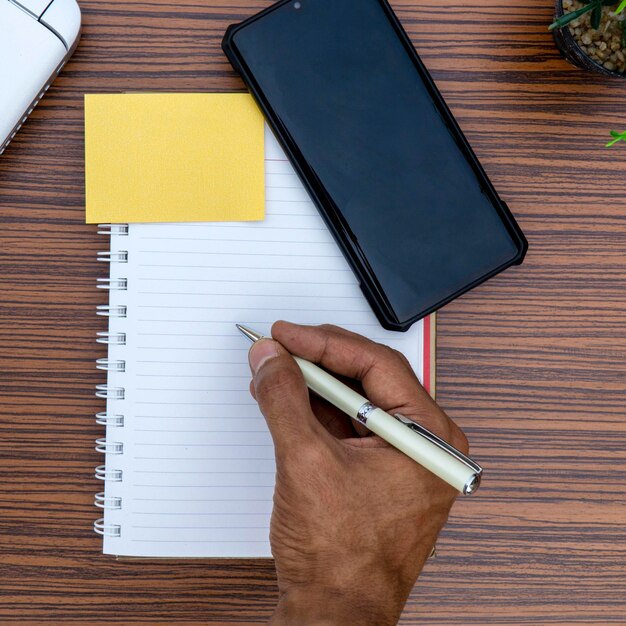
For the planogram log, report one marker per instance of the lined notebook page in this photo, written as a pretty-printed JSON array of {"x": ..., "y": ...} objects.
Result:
[{"x": 198, "y": 462}]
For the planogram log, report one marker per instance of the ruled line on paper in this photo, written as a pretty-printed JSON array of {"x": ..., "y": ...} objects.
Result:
[
  {"x": 239, "y": 254},
  {"x": 198, "y": 403},
  {"x": 351, "y": 325},
  {"x": 202, "y": 458},
  {"x": 217, "y": 281},
  {"x": 192, "y": 390},
  {"x": 189, "y": 417},
  {"x": 278, "y": 295},
  {"x": 156, "y": 347},
  {"x": 137, "y": 526},
  {"x": 139, "y": 499},
  {"x": 190, "y": 431},
  {"x": 208, "y": 240},
  {"x": 135, "y": 512},
  {"x": 242, "y": 308},
  {"x": 223, "y": 484},
  {"x": 233, "y": 267},
  {"x": 207, "y": 541},
  {"x": 241, "y": 376},
  {"x": 199, "y": 473},
  {"x": 205, "y": 445},
  {"x": 260, "y": 226}
]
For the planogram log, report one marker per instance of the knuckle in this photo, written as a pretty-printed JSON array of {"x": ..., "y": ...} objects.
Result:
[
  {"x": 459, "y": 439},
  {"x": 435, "y": 420},
  {"x": 441, "y": 427},
  {"x": 386, "y": 355},
  {"x": 324, "y": 349},
  {"x": 402, "y": 358},
  {"x": 328, "y": 327},
  {"x": 360, "y": 362},
  {"x": 445, "y": 428}
]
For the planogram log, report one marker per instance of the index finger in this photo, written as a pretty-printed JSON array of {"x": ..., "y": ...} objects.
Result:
[{"x": 386, "y": 376}]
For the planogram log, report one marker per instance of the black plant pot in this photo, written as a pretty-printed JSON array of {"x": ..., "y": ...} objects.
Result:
[{"x": 572, "y": 52}]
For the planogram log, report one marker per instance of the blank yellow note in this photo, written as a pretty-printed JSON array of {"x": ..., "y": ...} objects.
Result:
[{"x": 174, "y": 158}]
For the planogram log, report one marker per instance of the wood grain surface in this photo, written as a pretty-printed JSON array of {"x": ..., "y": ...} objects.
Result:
[{"x": 532, "y": 365}]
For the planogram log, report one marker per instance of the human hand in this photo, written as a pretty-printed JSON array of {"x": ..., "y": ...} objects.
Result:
[{"x": 354, "y": 519}]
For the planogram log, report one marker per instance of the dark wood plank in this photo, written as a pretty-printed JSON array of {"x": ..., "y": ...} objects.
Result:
[{"x": 533, "y": 364}]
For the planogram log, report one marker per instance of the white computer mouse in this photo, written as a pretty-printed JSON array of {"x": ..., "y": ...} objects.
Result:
[{"x": 37, "y": 37}]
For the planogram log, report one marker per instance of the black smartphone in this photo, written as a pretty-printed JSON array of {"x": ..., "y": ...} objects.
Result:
[{"x": 378, "y": 150}]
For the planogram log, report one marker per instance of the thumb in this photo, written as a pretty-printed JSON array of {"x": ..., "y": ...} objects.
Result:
[{"x": 283, "y": 396}]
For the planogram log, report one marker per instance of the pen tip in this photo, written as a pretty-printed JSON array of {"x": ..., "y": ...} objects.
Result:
[{"x": 252, "y": 335}]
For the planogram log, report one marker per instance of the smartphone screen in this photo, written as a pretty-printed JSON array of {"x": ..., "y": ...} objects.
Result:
[{"x": 393, "y": 171}]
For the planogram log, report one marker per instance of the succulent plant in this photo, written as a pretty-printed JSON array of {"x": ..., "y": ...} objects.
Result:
[
  {"x": 595, "y": 7},
  {"x": 617, "y": 137}
]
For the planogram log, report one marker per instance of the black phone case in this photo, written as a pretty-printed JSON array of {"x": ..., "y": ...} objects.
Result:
[{"x": 368, "y": 282}]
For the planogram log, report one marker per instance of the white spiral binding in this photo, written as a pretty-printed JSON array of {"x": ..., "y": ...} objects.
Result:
[
  {"x": 112, "y": 391},
  {"x": 105, "y": 310},
  {"x": 111, "y": 365},
  {"x": 113, "y": 229},
  {"x": 112, "y": 476},
  {"x": 112, "y": 339},
  {"x": 107, "y": 530},
  {"x": 112, "y": 504},
  {"x": 104, "y": 419},
  {"x": 113, "y": 284},
  {"x": 109, "y": 447},
  {"x": 113, "y": 257}
]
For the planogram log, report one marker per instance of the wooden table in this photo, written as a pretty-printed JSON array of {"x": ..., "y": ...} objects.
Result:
[{"x": 532, "y": 365}]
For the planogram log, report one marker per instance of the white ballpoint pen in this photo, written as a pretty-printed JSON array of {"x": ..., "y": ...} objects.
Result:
[{"x": 418, "y": 443}]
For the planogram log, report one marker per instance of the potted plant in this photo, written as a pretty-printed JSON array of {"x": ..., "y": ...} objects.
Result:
[{"x": 592, "y": 34}]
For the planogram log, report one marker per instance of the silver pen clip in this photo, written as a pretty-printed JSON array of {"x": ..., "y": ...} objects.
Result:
[{"x": 473, "y": 484}]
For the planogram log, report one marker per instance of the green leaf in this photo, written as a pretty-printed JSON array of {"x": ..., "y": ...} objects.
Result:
[
  {"x": 596, "y": 17},
  {"x": 565, "y": 19},
  {"x": 621, "y": 7},
  {"x": 617, "y": 137}
]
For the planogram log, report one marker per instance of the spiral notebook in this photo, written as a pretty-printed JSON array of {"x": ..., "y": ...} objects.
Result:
[{"x": 189, "y": 463}]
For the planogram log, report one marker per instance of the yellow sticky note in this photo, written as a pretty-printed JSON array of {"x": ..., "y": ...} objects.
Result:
[{"x": 174, "y": 158}]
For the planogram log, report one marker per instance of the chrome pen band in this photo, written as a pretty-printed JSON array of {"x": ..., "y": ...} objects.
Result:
[{"x": 364, "y": 413}]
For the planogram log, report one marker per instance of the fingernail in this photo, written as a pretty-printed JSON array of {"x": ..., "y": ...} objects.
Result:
[{"x": 261, "y": 352}]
